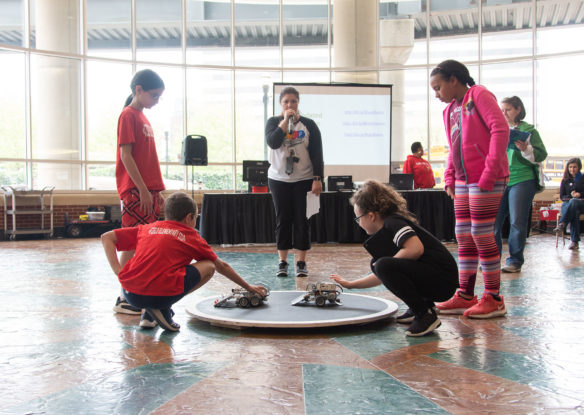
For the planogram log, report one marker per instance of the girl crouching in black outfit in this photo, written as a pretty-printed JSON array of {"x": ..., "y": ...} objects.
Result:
[{"x": 407, "y": 259}]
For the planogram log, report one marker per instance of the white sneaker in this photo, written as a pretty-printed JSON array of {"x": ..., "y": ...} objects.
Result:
[{"x": 147, "y": 321}]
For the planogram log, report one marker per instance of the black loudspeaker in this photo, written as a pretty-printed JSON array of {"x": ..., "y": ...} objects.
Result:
[{"x": 194, "y": 151}]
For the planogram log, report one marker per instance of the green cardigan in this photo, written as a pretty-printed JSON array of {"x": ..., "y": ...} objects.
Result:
[{"x": 524, "y": 166}]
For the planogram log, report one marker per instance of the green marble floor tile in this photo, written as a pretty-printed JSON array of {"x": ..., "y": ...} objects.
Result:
[
  {"x": 352, "y": 391},
  {"x": 136, "y": 391},
  {"x": 380, "y": 340},
  {"x": 260, "y": 268}
]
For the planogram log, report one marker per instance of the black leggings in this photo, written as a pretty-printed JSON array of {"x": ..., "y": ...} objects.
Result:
[
  {"x": 416, "y": 283},
  {"x": 292, "y": 227}
]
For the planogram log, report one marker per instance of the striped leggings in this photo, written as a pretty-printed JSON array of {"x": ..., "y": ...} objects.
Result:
[{"x": 476, "y": 212}]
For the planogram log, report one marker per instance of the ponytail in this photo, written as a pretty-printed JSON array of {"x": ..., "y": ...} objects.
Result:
[
  {"x": 454, "y": 68},
  {"x": 147, "y": 79}
]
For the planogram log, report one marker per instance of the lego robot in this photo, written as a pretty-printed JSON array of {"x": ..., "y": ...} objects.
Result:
[
  {"x": 320, "y": 292},
  {"x": 242, "y": 298}
]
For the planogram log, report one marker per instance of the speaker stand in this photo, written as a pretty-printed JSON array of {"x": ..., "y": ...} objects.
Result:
[{"x": 193, "y": 181}]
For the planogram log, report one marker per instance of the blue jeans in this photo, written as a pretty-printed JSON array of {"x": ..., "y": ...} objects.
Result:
[
  {"x": 571, "y": 211},
  {"x": 515, "y": 204}
]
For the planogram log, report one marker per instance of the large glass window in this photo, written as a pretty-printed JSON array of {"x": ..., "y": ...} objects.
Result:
[
  {"x": 12, "y": 22},
  {"x": 12, "y": 102},
  {"x": 558, "y": 109},
  {"x": 208, "y": 33},
  {"x": 109, "y": 28},
  {"x": 507, "y": 29},
  {"x": 60, "y": 109},
  {"x": 305, "y": 33},
  {"x": 511, "y": 78},
  {"x": 453, "y": 30},
  {"x": 210, "y": 111},
  {"x": 257, "y": 33},
  {"x": 559, "y": 26},
  {"x": 108, "y": 86},
  {"x": 159, "y": 26},
  {"x": 250, "y": 108}
]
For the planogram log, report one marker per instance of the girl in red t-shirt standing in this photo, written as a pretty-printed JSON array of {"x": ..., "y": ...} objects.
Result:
[{"x": 138, "y": 177}]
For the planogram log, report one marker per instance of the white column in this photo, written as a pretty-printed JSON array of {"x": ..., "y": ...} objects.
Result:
[
  {"x": 355, "y": 25},
  {"x": 396, "y": 41},
  {"x": 55, "y": 94}
]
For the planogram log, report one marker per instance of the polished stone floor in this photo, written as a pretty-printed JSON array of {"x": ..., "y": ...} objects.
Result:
[{"x": 65, "y": 352}]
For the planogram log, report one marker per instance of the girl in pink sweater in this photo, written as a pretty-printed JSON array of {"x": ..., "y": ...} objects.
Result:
[{"x": 475, "y": 177}]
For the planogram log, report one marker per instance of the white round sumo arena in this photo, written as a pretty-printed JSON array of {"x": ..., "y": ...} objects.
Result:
[{"x": 278, "y": 312}]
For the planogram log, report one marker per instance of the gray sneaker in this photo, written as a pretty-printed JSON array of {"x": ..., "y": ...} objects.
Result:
[
  {"x": 301, "y": 269},
  {"x": 511, "y": 268},
  {"x": 282, "y": 269}
]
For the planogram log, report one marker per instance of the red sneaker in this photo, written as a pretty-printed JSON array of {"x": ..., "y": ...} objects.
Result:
[
  {"x": 487, "y": 307},
  {"x": 456, "y": 305}
]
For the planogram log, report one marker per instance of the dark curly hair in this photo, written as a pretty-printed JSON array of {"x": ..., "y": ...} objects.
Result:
[{"x": 377, "y": 197}]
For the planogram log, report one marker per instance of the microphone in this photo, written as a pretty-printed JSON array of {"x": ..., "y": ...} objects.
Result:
[{"x": 290, "y": 125}]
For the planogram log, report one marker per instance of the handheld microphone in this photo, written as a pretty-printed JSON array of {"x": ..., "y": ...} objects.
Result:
[{"x": 290, "y": 125}]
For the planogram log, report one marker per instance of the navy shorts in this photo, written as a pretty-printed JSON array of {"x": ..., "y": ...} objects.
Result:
[{"x": 192, "y": 278}]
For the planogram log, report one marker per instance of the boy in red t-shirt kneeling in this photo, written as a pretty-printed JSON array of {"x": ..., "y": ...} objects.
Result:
[{"x": 160, "y": 273}]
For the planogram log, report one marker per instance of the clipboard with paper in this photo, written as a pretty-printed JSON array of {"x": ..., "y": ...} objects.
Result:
[{"x": 515, "y": 135}]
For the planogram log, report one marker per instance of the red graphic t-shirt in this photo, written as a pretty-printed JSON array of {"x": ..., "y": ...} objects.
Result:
[
  {"x": 163, "y": 249},
  {"x": 134, "y": 129},
  {"x": 422, "y": 171}
]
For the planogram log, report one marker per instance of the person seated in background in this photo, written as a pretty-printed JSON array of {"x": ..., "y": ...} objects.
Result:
[
  {"x": 571, "y": 192},
  {"x": 420, "y": 168},
  {"x": 160, "y": 273}
]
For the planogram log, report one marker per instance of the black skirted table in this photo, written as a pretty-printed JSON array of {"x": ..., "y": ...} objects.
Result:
[{"x": 239, "y": 218}]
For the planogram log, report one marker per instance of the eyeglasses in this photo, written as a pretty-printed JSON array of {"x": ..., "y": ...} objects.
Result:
[{"x": 358, "y": 219}]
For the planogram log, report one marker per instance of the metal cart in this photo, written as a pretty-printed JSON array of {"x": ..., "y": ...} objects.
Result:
[{"x": 28, "y": 202}]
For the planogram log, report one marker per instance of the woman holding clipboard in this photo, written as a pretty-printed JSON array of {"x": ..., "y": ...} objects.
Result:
[{"x": 525, "y": 151}]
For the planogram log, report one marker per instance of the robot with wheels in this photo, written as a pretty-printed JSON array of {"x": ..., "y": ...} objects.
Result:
[
  {"x": 320, "y": 293},
  {"x": 243, "y": 298}
]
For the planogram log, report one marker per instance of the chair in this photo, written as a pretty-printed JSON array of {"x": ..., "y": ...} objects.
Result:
[{"x": 563, "y": 233}]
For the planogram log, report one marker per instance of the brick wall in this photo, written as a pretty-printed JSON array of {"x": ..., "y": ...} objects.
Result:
[
  {"x": 73, "y": 204},
  {"x": 34, "y": 220}
]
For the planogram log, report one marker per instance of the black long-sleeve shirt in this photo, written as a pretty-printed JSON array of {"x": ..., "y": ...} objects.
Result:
[{"x": 569, "y": 185}]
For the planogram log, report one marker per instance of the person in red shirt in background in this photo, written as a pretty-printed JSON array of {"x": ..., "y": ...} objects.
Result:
[
  {"x": 160, "y": 273},
  {"x": 420, "y": 168},
  {"x": 138, "y": 177}
]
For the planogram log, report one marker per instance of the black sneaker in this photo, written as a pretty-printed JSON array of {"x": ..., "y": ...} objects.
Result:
[
  {"x": 282, "y": 269},
  {"x": 424, "y": 324},
  {"x": 147, "y": 321},
  {"x": 164, "y": 318},
  {"x": 123, "y": 307},
  {"x": 405, "y": 318},
  {"x": 301, "y": 270}
]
